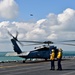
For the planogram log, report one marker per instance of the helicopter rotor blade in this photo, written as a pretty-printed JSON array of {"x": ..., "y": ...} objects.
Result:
[
  {"x": 15, "y": 38},
  {"x": 31, "y": 44},
  {"x": 16, "y": 34},
  {"x": 10, "y": 34},
  {"x": 20, "y": 43},
  {"x": 68, "y": 44},
  {"x": 46, "y": 42},
  {"x": 32, "y": 41},
  {"x": 68, "y": 41},
  {"x": 40, "y": 42}
]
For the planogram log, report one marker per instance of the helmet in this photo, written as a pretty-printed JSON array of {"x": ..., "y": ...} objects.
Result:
[
  {"x": 52, "y": 50},
  {"x": 60, "y": 49}
]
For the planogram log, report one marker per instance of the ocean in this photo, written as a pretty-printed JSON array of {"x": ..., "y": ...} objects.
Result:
[
  {"x": 4, "y": 58},
  {"x": 68, "y": 53}
]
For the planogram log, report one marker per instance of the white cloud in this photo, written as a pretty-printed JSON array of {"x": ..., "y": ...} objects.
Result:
[
  {"x": 66, "y": 20},
  {"x": 67, "y": 15},
  {"x": 53, "y": 27},
  {"x": 8, "y": 9},
  {"x": 52, "y": 36},
  {"x": 36, "y": 34}
]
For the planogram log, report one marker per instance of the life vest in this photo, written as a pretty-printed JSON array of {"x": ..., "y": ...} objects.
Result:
[
  {"x": 52, "y": 56},
  {"x": 59, "y": 55}
]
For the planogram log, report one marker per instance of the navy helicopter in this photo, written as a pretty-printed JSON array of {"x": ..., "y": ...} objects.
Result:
[{"x": 42, "y": 53}]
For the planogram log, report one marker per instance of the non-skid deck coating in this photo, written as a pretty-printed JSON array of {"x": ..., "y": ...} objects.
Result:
[{"x": 37, "y": 68}]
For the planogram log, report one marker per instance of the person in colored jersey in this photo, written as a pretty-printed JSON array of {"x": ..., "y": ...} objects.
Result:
[
  {"x": 52, "y": 57},
  {"x": 59, "y": 58}
]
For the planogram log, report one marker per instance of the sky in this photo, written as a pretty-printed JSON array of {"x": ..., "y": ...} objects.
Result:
[{"x": 51, "y": 20}]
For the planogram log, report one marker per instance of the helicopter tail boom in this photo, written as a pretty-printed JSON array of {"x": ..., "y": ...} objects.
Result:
[{"x": 16, "y": 47}]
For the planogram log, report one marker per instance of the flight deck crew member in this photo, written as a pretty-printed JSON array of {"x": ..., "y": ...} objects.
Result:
[
  {"x": 59, "y": 58},
  {"x": 52, "y": 55}
]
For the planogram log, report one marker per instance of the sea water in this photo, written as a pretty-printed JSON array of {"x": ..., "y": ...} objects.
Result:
[
  {"x": 68, "y": 53},
  {"x": 3, "y": 56}
]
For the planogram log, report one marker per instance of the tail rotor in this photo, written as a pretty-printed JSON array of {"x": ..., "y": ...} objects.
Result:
[{"x": 16, "y": 37}]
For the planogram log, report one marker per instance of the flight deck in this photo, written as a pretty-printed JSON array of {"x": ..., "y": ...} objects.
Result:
[{"x": 37, "y": 68}]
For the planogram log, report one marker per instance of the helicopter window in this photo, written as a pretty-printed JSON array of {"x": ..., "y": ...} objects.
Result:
[{"x": 42, "y": 49}]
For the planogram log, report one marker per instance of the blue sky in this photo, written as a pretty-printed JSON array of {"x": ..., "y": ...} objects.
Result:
[
  {"x": 41, "y": 8},
  {"x": 52, "y": 20}
]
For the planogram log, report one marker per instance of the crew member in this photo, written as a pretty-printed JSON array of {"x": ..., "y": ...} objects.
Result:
[
  {"x": 59, "y": 58},
  {"x": 52, "y": 55}
]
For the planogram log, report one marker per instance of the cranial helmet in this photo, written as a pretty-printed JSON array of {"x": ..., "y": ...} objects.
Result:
[
  {"x": 60, "y": 49},
  {"x": 52, "y": 50}
]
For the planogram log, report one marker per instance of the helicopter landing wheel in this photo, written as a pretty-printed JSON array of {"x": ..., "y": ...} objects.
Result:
[
  {"x": 23, "y": 61},
  {"x": 45, "y": 59}
]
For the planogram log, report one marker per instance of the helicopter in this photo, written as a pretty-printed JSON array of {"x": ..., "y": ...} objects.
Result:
[{"x": 42, "y": 53}]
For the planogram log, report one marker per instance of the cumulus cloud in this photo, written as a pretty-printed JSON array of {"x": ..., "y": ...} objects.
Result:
[
  {"x": 8, "y": 9},
  {"x": 53, "y": 27}
]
